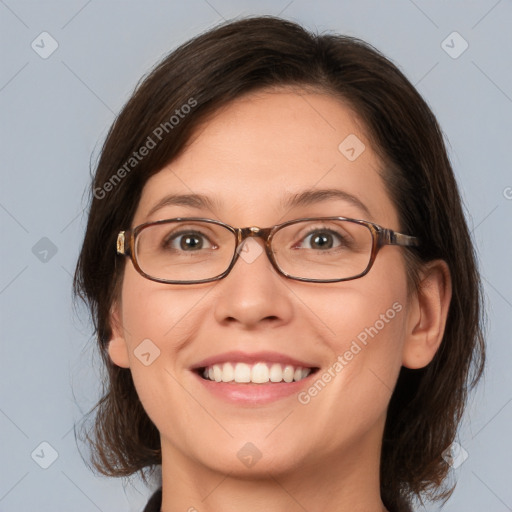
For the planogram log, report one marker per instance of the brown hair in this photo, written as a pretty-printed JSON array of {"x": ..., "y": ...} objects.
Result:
[{"x": 210, "y": 71}]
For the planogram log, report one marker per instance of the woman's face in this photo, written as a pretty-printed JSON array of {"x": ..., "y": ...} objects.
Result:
[{"x": 249, "y": 159}]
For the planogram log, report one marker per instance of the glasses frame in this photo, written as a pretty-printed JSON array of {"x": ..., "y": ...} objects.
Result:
[{"x": 380, "y": 237}]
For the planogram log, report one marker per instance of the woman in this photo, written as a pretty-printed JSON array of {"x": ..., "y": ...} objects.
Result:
[{"x": 321, "y": 364}]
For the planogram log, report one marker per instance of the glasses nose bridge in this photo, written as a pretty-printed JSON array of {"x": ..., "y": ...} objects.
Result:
[{"x": 254, "y": 232}]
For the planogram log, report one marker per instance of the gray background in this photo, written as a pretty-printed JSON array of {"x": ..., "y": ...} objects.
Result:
[{"x": 54, "y": 115}]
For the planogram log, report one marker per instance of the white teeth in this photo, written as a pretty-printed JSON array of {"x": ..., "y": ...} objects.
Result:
[
  {"x": 242, "y": 372},
  {"x": 259, "y": 373},
  {"x": 288, "y": 373},
  {"x": 228, "y": 372},
  {"x": 276, "y": 373}
]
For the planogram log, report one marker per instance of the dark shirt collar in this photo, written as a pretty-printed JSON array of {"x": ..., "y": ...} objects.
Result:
[{"x": 155, "y": 502}]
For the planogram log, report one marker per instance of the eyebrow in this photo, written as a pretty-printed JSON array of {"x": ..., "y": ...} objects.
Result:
[
  {"x": 199, "y": 201},
  {"x": 305, "y": 198},
  {"x": 313, "y": 196}
]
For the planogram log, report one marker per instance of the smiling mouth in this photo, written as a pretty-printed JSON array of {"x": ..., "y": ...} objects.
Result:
[{"x": 258, "y": 373}]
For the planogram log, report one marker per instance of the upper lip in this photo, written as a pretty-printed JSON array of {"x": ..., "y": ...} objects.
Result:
[{"x": 251, "y": 358}]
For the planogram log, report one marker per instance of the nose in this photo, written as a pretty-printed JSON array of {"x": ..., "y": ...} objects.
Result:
[{"x": 253, "y": 293}]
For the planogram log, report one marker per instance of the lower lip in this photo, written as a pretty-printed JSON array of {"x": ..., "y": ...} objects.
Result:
[{"x": 254, "y": 394}]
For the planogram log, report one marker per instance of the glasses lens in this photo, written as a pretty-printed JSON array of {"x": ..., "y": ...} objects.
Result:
[
  {"x": 184, "y": 250},
  {"x": 323, "y": 249}
]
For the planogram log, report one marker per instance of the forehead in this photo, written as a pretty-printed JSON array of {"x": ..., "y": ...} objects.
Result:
[{"x": 266, "y": 146}]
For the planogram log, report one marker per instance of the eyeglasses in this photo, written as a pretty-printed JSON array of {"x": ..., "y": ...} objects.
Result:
[{"x": 197, "y": 250}]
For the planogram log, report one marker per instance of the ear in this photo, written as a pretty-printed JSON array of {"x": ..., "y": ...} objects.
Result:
[
  {"x": 427, "y": 315},
  {"x": 117, "y": 347}
]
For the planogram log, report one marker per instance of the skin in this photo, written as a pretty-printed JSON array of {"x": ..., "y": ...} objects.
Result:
[{"x": 321, "y": 456}]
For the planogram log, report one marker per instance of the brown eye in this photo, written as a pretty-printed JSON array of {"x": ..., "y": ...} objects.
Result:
[
  {"x": 187, "y": 241},
  {"x": 321, "y": 239}
]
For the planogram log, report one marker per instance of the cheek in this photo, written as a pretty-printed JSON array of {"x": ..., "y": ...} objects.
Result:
[
  {"x": 157, "y": 323},
  {"x": 158, "y": 312},
  {"x": 365, "y": 324},
  {"x": 368, "y": 309},
  {"x": 375, "y": 320},
  {"x": 365, "y": 330}
]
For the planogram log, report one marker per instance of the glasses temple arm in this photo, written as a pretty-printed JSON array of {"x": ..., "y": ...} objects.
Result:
[
  {"x": 122, "y": 243},
  {"x": 390, "y": 237}
]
